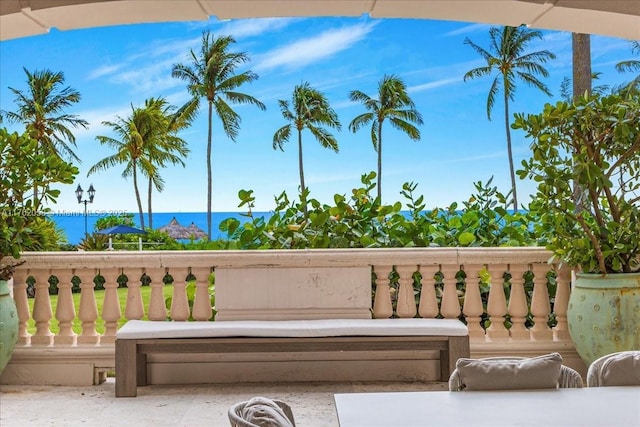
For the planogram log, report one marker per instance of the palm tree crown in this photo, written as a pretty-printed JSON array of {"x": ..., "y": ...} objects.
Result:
[
  {"x": 212, "y": 75},
  {"x": 393, "y": 103},
  {"x": 507, "y": 57},
  {"x": 144, "y": 142},
  {"x": 311, "y": 110},
  {"x": 42, "y": 109}
]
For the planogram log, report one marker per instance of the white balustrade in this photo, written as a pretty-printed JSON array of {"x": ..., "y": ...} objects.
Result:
[{"x": 440, "y": 292}]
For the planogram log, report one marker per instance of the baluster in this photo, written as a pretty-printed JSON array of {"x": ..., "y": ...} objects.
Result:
[
  {"x": 518, "y": 308},
  {"x": 428, "y": 302},
  {"x": 42, "y": 312},
  {"x": 472, "y": 307},
  {"x": 406, "y": 304},
  {"x": 202, "y": 301},
  {"x": 65, "y": 310},
  {"x": 111, "y": 311},
  {"x": 135, "y": 306},
  {"x": 561, "y": 304},
  {"x": 540, "y": 305},
  {"x": 382, "y": 307},
  {"x": 157, "y": 305},
  {"x": 22, "y": 305},
  {"x": 179, "y": 303},
  {"x": 450, "y": 306},
  {"x": 88, "y": 312},
  {"x": 497, "y": 304}
]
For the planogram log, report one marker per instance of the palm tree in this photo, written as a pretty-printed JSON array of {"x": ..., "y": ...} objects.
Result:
[
  {"x": 166, "y": 146},
  {"x": 393, "y": 103},
  {"x": 508, "y": 59},
  {"x": 212, "y": 75},
  {"x": 136, "y": 136},
  {"x": 631, "y": 65},
  {"x": 311, "y": 110},
  {"x": 42, "y": 109}
]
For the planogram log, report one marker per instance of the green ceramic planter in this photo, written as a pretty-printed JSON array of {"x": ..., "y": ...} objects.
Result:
[
  {"x": 604, "y": 314},
  {"x": 8, "y": 324}
]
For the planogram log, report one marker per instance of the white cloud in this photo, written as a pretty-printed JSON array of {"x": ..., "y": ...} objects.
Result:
[
  {"x": 473, "y": 28},
  {"x": 103, "y": 71},
  {"x": 255, "y": 27},
  {"x": 306, "y": 51},
  {"x": 433, "y": 85}
]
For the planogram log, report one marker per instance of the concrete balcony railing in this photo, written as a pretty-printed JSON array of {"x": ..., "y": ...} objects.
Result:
[{"x": 466, "y": 283}]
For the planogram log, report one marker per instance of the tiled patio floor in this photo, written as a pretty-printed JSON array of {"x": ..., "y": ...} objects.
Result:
[{"x": 175, "y": 406}]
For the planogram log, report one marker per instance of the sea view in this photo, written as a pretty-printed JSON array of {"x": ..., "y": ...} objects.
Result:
[{"x": 72, "y": 223}]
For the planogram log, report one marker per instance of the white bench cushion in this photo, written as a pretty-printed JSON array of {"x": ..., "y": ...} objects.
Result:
[{"x": 139, "y": 329}]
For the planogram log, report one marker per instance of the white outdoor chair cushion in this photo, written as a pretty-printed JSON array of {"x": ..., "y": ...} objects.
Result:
[
  {"x": 615, "y": 369},
  {"x": 540, "y": 372}
]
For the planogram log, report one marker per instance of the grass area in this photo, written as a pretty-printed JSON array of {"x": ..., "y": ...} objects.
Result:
[{"x": 77, "y": 324}]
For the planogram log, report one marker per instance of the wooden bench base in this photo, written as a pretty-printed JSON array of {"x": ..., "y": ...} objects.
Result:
[{"x": 131, "y": 354}]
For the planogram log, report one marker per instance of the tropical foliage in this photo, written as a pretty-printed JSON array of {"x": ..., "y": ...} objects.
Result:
[
  {"x": 593, "y": 143},
  {"x": 508, "y": 59},
  {"x": 22, "y": 165},
  {"x": 212, "y": 75},
  {"x": 360, "y": 221},
  {"x": 309, "y": 109},
  {"x": 393, "y": 103}
]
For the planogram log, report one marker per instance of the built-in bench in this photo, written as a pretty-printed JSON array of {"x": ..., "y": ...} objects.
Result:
[{"x": 137, "y": 340}]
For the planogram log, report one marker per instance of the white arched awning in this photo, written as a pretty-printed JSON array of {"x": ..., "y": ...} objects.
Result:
[{"x": 617, "y": 18}]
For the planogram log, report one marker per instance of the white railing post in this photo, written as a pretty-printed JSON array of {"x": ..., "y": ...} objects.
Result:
[
  {"x": 561, "y": 303},
  {"x": 382, "y": 306},
  {"x": 472, "y": 308},
  {"x": 202, "y": 302},
  {"x": 135, "y": 306},
  {"x": 157, "y": 305},
  {"x": 65, "y": 310},
  {"x": 497, "y": 304},
  {"x": 517, "y": 307},
  {"x": 111, "y": 311},
  {"x": 88, "y": 312},
  {"x": 42, "y": 312},
  {"x": 428, "y": 307},
  {"x": 406, "y": 304},
  {"x": 22, "y": 305},
  {"x": 179, "y": 302},
  {"x": 450, "y": 305},
  {"x": 540, "y": 305}
]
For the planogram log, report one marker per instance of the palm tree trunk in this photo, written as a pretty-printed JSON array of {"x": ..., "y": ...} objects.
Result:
[
  {"x": 581, "y": 47},
  {"x": 509, "y": 150},
  {"x": 149, "y": 210},
  {"x": 135, "y": 187},
  {"x": 209, "y": 172},
  {"x": 380, "y": 162},
  {"x": 301, "y": 169}
]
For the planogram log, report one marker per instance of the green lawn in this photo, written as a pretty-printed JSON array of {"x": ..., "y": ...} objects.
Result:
[{"x": 77, "y": 328}]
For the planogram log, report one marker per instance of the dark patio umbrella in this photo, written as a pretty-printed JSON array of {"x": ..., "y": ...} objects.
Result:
[{"x": 121, "y": 229}]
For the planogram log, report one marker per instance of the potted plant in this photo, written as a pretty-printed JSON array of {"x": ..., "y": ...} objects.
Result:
[
  {"x": 22, "y": 166},
  {"x": 586, "y": 161}
]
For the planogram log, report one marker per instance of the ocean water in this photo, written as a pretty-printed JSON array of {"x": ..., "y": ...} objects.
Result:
[{"x": 73, "y": 224}]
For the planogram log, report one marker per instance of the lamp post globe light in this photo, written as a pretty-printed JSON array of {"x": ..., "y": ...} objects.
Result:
[{"x": 91, "y": 192}]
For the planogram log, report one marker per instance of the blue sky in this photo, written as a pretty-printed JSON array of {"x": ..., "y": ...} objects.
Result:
[{"x": 116, "y": 67}]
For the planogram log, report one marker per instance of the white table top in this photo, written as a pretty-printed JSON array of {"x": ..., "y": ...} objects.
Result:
[{"x": 597, "y": 407}]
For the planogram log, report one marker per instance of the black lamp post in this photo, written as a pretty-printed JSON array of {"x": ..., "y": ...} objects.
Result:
[{"x": 92, "y": 193}]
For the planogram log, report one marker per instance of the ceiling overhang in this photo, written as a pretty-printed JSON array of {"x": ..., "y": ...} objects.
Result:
[{"x": 617, "y": 18}]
